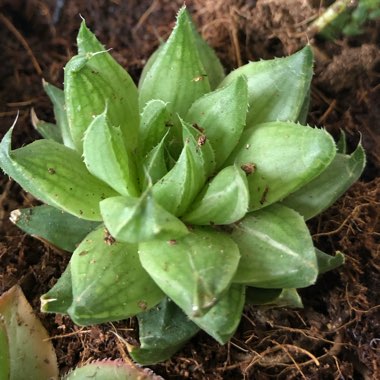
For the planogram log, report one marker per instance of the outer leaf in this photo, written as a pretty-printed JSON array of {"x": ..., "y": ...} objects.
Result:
[
  {"x": 195, "y": 281},
  {"x": 163, "y": 330},
  {"x": 47, "y": 223},
  {"x": 276, "y": 250},
  {"x": 111, "y": 369},
  {"x": 109, "y": 282},
  {"x": 56, "y": 175},
  {"x": 323, "y": 191},
  {"x": 274, "y": 297},
  {"x": 286, "y": 157},
  {"x": 155, "y": 123},
  {"x": 222, "y": 115},
  {"x": 60, "y": 297},
  {"x": 107, "y": 158},
  {"x": 261, "y": 296},
  {"x": 57, "y": 97},
  {"x": 4, "y": 352},
  {"x": 135, "y": 220},
  {"x": 222, "y": 320},
  {"x": 327, "y": 262},
  {"x": 46, "y": 130},
  {"x": 223, "y": 201},
  {"x": 30, "y": 350},
  {"x": 173, "y": 77},
  {"x": 94, "y": 80},
  {"x": 276, "y": 88},
  {"x": 341, "y": 145}
]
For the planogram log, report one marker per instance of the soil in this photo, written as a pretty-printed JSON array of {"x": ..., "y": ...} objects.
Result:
[{"x": 337, "y": 334}]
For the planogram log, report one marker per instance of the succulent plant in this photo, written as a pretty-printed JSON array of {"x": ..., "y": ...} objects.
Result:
[{"x": 185, "y": 198}]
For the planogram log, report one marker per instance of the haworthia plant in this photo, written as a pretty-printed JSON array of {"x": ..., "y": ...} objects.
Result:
[{"x": 186, "y": 197}]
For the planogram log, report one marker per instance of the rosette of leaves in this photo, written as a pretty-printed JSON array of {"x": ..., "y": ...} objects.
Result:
[{"x": 184, "y": 197}]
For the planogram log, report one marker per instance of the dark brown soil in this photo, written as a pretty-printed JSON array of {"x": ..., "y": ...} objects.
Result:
[{"x": 336, "y": 335}]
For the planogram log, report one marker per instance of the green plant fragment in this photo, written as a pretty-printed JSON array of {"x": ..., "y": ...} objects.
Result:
[
  {"x": 221, "y": 116},
  {"x": 195, "y": 281},
  {"x": 341, "y": 145},
  {"x": 60, "y": 297},
  {"x": 276, "y": 88},
  {"x": 111, "y": 370},
  {"x": 154, "y": 165},
  {"x": 141, "y": 219},
  {"x": 177, "y": 75},
  {"x": 331, "y": 184},
  {"x": 222, "y": 320},
  {"x": 4, "y": 352},
  {"x": 47, "y": 223},
  {"x": 107, "y": 158},
  {"x": 276, "y": 249},
  {"x": 56, "y": 175},
  {"x": 57, "y": 97},
  {"x": 156, "y": 121},
  {"x": 327, "y": 262},
  {"x": 108, "y": 281},
  {"x": 163, "y": 330},
  {"x": 29, "y": 348},
  {"x": 224, "y": 200},
  {"x": 285, "y": 156},
  {"x": 94, "y": 81}
]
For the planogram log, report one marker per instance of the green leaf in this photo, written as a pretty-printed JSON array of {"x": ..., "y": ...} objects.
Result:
[
  {"x": 174, "y": 75},
  {"x": 155, "y": 123},
  {"x": 224, "y": 199},
  {"x": 341, "y": 145},
  {"x": 331, "y": 184},
  {"x": 107, "y": 158},
  {"x": 30, "y": 350},
  {"x": 178, "y": 188},
  {"x": 327, "y": 262},
  {"x": 276, "y": 88},
  {"x": 56, "y": 175},
  {"x": 4, "y": 353},
  {"x": 57, "y": 97},
  {"x": 111, "y": 369},
  {"x": 153, "y": 166},
  {"x": 94, "y": 80},
  {"x": 222, "y": 320},
  {"x": 284, "y": 157},
  {"x": 302, "y": 117},
  {"x": 213, "y": 68},
  {"x": 273, "y": 297},
  {"x": 108, "y": 281},
  {"x": 221, "y": 114},
  {"x": 60, "y": 297},
  {"x": 163, "y": 330},
  {"x": 46, "y": 130},
  {"x": 261, "y": 296},
  {"x": 276, "y": 249},
  {"x": 135, "y": 220},
  {"x": 47, "y": 223},
  {"x": 193, "y": 271}
]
